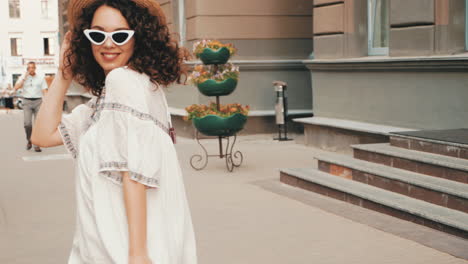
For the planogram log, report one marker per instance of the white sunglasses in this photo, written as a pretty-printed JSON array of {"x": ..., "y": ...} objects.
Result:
[{"x": 119, "y": 37}]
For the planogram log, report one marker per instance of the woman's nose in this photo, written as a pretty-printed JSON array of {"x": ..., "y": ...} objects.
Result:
[{"x": 108, "y": 43}]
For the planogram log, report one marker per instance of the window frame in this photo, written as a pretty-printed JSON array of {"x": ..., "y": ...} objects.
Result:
[
  {"x": 18, "y": 52},
  {"x": 46, "y": 14},
  {"x": 18, "y": 8},
  {"x": 52, "y": 42},
  {"x": 48, "y": 49},
  {"x": 14, "y": 78},
  {"x": 372, "y": 51}
]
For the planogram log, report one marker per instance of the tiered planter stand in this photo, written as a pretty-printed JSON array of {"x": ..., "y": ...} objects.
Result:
[{"x": 213, "y": 126}]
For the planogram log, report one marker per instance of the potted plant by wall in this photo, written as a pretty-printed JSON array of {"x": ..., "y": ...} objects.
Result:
[
  {"x": 213, "y": 51},
  {"x": 211, "y": 120},
  {"x": 215, "y": 82}
]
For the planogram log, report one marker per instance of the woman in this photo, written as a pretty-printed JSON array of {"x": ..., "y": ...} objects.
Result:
[{"x": 131, "y": 203}]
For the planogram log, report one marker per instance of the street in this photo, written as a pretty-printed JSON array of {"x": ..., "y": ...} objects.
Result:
[{"x": 238, "y": 217}]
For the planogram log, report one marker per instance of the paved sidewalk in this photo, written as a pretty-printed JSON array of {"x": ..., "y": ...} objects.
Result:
[{"x": 237, "y": 219}]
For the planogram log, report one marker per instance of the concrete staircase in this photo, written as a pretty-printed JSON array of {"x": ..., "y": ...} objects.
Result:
[{"x": 427, "y": 185}]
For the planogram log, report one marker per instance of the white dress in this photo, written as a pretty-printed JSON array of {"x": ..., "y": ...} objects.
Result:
[{"x": 126, "y": 130}]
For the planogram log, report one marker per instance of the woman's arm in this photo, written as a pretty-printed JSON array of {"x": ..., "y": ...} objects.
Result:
[
  {"x": 45, "y": 132},
  {"x": 135, "y": 207}
]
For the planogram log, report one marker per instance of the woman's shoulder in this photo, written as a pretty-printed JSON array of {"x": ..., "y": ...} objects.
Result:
[
  {"x": 125, "y": 74},
  {"x": 123, "y": 82},
  {"x": 128, "y": 87}
]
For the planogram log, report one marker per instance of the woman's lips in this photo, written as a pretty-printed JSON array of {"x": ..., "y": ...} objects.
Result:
[{"x": 109, "y": 56}]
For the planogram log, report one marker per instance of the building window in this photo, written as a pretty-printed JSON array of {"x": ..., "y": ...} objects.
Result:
[
  {"x": 16, "y": 47},
  {"x": 48, "y": 46},
  {"x": 45, "y": 8},
  {"x": 14, "y": 6},
  {"x": 378, "y": 26},
  {"x": 15, "y": 78}
]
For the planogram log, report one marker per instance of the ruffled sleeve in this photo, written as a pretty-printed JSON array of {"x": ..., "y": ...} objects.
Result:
[
  {"x": 129, "y": 138},
  {"x": 73, "y": 125}
]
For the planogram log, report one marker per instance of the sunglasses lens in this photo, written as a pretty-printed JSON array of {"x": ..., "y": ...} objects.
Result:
[
  {"x": 120, "y": 37},
  {"x": 97, "y": 37}
]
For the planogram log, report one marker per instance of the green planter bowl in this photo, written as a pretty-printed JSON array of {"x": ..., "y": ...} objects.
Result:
[
  {"x": 213, "y": 125},
  {"x": 220, "y": 56},
  {"x": 215, "y": 88}
]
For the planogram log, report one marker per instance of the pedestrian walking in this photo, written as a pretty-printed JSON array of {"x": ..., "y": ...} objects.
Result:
[
  {"x": 7, "y": 94},
  {"x": 34, "y": 87},
  {"x": 131, "y": 202}
]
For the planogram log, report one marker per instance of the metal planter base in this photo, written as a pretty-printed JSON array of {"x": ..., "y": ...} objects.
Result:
[{"x": 233, "y": 158}]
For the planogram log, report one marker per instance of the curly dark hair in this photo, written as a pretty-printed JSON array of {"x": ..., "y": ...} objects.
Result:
[{"x": 156, "y": 52}]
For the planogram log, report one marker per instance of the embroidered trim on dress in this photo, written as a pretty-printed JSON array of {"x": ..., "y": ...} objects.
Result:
[
  {"x": 98, "y": 107},
  {"x": 132, "y": 111},
  {"x": 67, "y": 141},
  {"x": 106, "y": 167}
]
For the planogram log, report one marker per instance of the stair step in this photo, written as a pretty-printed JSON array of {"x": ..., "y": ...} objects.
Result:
[
  {"x": 351, "y": 125},
  {"x": 333, "y": 134},
  {"x": 451, "y": 149},
  {"x": 404, "y": 207},
  {"x": 430, "y": 158},
  {"x": 451, "y": 168},
  {"x": 454, "y": 136},
  {"x": 442, "y": 192},
  {"x": 438, "y": 184}
]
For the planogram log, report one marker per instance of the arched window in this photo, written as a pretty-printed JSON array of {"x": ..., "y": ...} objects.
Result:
[{"x": 378, "y": 26}]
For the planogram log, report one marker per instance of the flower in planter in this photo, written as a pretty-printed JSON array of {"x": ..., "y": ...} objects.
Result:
[
  {"x": 197, "y": 111},
  {"x": 202, "y": 73},
  {"x": 215, "y": 45}
]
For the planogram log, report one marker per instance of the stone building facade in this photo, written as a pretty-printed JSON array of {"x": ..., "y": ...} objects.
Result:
[
  {"x": 394, "y": 63},
  {"x": 273, "y": 38},
  {"x": 387, "y": 65},
  {"x": 417, "y": 80}
]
